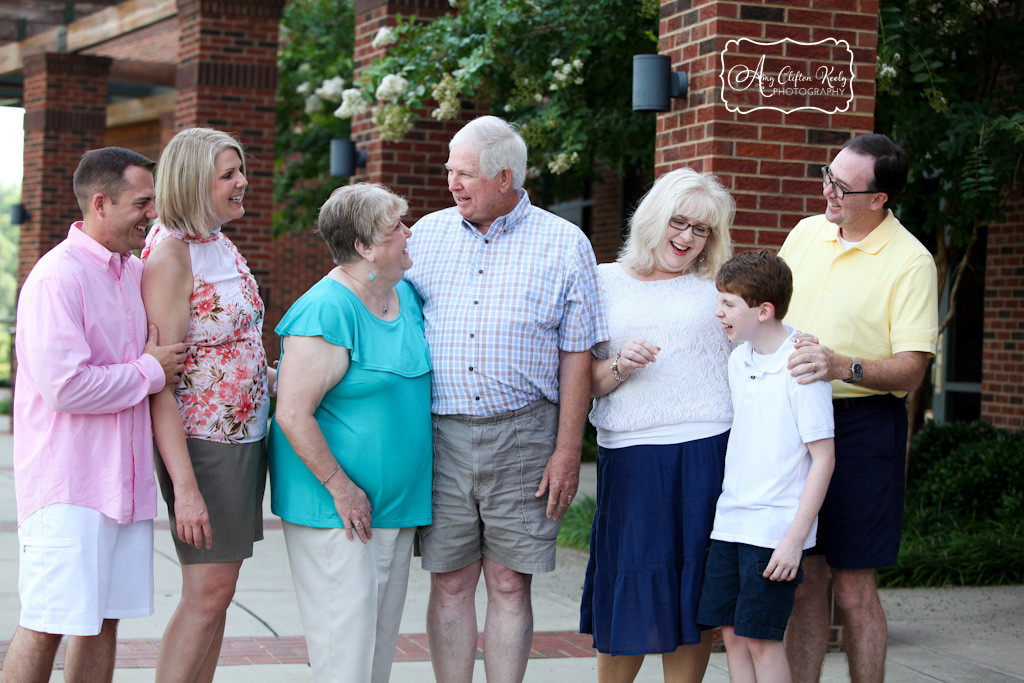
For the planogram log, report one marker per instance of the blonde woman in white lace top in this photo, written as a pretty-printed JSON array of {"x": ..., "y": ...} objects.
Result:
[{"x": 662, "y": 411}]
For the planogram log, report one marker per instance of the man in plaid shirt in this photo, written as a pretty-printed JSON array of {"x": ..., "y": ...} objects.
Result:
[{"x": 512, "y": 308}]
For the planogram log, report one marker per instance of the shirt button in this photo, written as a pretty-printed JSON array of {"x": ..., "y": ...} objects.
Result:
[
  {"x": 481, "y": 272},
  {"x": 471, "y": 368},
  {"x": 471, "y": 335},
  {"x": 486, "y": 242},
  {"x": 476, "y": 302},
  {"x": 477, "y": 398}
]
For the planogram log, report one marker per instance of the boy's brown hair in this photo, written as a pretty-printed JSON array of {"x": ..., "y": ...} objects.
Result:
[{"x": 757, "y": 277}]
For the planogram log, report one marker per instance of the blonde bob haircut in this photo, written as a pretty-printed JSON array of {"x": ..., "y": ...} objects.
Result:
[
  {"x": 185, "y": 176},
  {"x": 363, "y": 212},
  {"x": 697, "y": 197}
]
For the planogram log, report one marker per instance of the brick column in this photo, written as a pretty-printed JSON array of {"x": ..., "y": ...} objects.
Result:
[
  {"x": 227, "y": 79},
  {"x": 1002, "y": 386},
  {"x": 768, "y": 159},
  {"x": 65, "y": 115},
  {"x": 412, "y": 167}
]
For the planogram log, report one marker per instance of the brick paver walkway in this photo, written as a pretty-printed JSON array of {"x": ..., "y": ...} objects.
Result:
[{"x": 141, "y": 653}]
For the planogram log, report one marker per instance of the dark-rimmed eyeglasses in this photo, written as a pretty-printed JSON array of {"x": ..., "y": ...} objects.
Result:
[
  {"x": 682, "y": 225},
  {"x": 838, "y": 190}
]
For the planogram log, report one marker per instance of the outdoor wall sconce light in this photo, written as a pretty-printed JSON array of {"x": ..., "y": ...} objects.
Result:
[
  {"x": 19, "y": 214},
  {"x": 654, "y": 83},
  {"x": 345, "y": 158}
]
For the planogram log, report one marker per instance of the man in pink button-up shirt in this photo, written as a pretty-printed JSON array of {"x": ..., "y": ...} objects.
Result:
[{"x": 83, "y": 451}]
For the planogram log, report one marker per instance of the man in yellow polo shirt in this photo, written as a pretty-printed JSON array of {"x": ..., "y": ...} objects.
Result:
[{"x": 864, "y": 292}]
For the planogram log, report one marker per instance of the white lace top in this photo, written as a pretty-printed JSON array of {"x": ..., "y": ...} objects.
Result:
[{"x": 682, "y": 396}]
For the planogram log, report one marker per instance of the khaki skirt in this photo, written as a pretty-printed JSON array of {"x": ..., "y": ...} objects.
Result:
[{"x": 231, "y": 478}]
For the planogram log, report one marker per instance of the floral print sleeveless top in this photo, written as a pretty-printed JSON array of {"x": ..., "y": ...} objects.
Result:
[{"x": 223, "y": 394}]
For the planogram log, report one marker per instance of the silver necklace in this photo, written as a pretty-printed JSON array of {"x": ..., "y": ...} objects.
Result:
[{"x": 383, "y": 302}]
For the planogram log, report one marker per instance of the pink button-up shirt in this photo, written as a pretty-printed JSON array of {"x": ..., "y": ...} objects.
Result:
[{"x": 82, "y": 433}]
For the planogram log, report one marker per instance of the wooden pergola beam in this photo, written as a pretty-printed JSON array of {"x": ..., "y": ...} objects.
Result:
[
  {"x": 88, "y": 31},
  {"x": 141, "y": 109}
]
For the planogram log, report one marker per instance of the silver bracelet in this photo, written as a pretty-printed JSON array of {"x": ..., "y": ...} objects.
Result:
[
  {"x": 335, "y": 471},
  {"x": 615, "y": 368}
]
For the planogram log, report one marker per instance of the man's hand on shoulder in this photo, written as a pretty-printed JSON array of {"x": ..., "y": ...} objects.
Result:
[
  {"x": 171, "y": 357},
  {"x": 560, "y": 481},
  {"x": 811, "y": 361}
]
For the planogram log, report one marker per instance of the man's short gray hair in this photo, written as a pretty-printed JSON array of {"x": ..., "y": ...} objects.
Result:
[{"x": 500, "y": 146}]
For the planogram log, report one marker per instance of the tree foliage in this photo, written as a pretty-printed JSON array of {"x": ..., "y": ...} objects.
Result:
[
  {"x": 558, "y": 68},
  {"x": 949, "y": 88},
  {"x": 314, "y": 64}
]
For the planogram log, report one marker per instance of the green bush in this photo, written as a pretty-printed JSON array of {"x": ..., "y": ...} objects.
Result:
[
  {"x": 963, "y": 523},
  {"x": 575, "y": 531},
  {"x": 971, "y": 470}
]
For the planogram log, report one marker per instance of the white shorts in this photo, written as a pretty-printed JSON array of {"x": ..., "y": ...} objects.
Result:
[{"x": 78, "y": 567}]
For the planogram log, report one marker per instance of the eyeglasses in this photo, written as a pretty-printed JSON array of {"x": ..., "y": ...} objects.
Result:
[
  {"x": 680, "y": 224},
  {"x": 837, "y": 190}
]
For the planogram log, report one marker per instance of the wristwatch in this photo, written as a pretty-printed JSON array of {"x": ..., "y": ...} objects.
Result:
[{"x": 858, "y": 371}]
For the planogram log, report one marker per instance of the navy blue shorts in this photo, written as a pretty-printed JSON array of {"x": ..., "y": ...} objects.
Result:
[
  {"x": 736, "y": 594},
  {"x": 861, "y": 520}
]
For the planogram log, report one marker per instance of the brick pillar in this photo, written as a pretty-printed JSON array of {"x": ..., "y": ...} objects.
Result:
[
  {"x": 65, "y": 116},
  {"x": 227, "y": 79},
  {"x": 1002, "y": 386},
  {"x": 412, "y": 167},
  {"x": 768, "y": 159}
]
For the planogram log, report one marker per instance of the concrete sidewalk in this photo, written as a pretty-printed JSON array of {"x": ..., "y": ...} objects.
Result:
[{"x": 950, "y": 634}]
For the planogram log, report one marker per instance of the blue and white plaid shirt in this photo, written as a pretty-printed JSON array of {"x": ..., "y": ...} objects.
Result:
[{"x": 499, "y": 307}]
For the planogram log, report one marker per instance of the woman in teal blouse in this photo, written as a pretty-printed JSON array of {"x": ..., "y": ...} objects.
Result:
[{"x": 350, "y": 444}]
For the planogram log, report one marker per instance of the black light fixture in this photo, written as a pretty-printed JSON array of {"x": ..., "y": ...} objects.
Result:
[
  {"x": 19, "y": 214},
  {"x": 345, "y": 158},
  {"x": 654, "y": 83}
]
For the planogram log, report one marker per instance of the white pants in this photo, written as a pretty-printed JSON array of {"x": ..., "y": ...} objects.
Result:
[{"x": 351, "y": 596}]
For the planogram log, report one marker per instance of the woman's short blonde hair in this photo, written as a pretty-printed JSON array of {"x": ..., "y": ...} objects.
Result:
[
  {"x": 184, "y": 179},
  {"x": 362, "y": 212},
  {"x": 698, "y": 197}
]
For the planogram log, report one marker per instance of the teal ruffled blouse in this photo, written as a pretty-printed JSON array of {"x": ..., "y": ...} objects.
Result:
[{"x": 376, "y": 419}]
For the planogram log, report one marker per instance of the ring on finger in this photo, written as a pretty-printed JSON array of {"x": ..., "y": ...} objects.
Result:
[{"x": 357, "y": 523}]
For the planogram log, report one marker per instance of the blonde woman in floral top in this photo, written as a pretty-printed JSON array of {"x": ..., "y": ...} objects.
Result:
[{"x": 210, "y": 429}]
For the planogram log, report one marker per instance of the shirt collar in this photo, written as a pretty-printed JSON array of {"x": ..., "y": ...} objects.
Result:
[
  {"x": 876, "y": 239},
  {"x": 96, "y": 252},
  {"x": 509, "y": 221},
  {"x": 773, "y": 363}
]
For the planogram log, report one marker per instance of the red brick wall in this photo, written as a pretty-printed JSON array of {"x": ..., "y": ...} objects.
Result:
[
  {"x": 607, "y": 216},
  {"x": 1002, "y": 386},
  {"x": 767, "y": 158},
  {"x": 65, "y": 99}
]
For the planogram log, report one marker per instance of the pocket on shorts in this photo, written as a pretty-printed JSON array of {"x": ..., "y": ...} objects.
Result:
[
  {"x": 536, "y": 442},
  {"x": 51, "y": 564},
  {"x": 761, "y": 563}
]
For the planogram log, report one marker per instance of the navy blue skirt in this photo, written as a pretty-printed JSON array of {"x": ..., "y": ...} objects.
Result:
[{"x": 655, "y": 509}]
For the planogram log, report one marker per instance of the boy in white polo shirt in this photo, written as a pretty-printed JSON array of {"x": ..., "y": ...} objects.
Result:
[{"x": 777, "y": 468}]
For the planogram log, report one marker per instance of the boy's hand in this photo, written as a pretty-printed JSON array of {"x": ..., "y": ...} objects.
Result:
[{"x": 785, "y": 561}]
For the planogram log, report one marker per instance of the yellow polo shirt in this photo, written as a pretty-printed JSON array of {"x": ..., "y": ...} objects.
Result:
[{"x": 871, "y": 301}]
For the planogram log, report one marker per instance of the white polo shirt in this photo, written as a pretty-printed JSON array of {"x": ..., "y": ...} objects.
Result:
[{"x": 767, "y": 461}]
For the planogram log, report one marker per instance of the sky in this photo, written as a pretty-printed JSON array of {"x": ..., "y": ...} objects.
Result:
[{"x": 12, "y": 139}]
